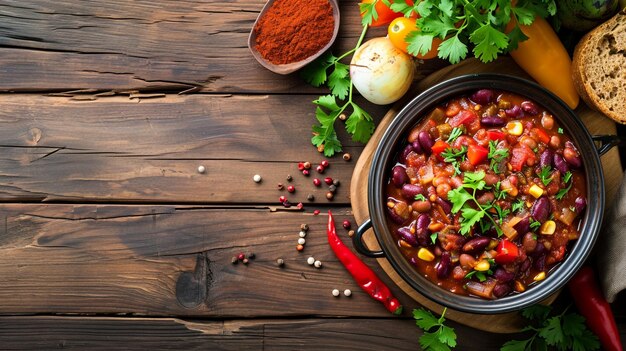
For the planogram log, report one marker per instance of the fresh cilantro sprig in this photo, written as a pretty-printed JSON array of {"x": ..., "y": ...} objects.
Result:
[
  {"x": 477, "y": 23},
  {"x": 545, "y": 175},
  {"x": 565, "y": 331},
  {"x": 437, "y": 336},
  {"x": 454, "y": 134},
  {"x": 472, "y": 212},
  {"x": 420, "y": 197},
  {"x": 359, "y": 123},
  {"x": 455, "y": 157},
  {"x": 566, "y": 179},
  {"x": 496, "y": 156},
  {"x": 517, "y": 205}
]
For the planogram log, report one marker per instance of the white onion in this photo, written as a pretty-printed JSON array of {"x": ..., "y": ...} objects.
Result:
[{"x": 381, "y": 72}]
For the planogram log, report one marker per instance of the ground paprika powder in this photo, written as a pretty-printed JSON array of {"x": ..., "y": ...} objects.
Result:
[{"x": 292, "y": 30}]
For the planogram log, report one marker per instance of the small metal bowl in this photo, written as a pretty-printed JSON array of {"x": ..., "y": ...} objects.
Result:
[
  {"x": 394, "y": 139},
  {"x": 294, "y": 66}
]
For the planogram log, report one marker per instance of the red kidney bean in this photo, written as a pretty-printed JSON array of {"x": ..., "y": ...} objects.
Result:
[
  {"x": 523, "y": 226},
  {"x": 502, "y": 276},
  {"x": 394, "y": 216},
  {"x": 409, "y": 191},
  {"x": 492, "y": 121},
  {"x": 525, "y": 266},
  {"x": 529, "y": 242},
  {"x": 560, "y": 164},
  {"x": 547, "y": 121},
  {"x": 571, "y": 156},
  {"x": 399, "y": 176},
  {"x": 541, "y": 209},
  {"x": 405, "y": 152},
  {"x": 530, "y": 108},
  {"x": 421, "y": 229},
  {"x": 540, "y": 249},
  {"x": 417, "y": 147},
  {"x": 545, "y": 160},
  {"x": 476, "y": 244},
  {"x": 514, "y": 112},
  {"x": 421, "y": 206},
  {"x": 445, "y": 205},
  {"x": 486, "y": 198},
  {"x": 540, "y": 263},
  {"x": 580, "y": 203},
  {"x": 405, "y": 234},
  {"x": 483, "y": 96},
  {"x": 426, "y": 141},
  {"x": 443, "y": 266},
  {"x": 501, "y": 290}
]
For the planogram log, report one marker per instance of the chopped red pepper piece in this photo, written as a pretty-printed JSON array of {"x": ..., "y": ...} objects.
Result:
[
  {"x": 439, "y": 147},
  {"x": 465, "y": 117},
  {"x": 507, "y": 252},
  {"x": 597, "y": 311},
  {"x": 542, "y": 135},
  {"x": 477, "y": 154},
  {"x": 495, "y": 135},
  {"x": 520, "y": 156},
  {"x": 362, "y": 274}
]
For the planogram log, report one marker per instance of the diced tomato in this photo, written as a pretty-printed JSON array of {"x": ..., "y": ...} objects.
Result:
[
  {"x": 463, "y": 140},
  {"x": 439, "y": 147},
  {"x": 520, "y": 156},
  {"x": 496, "y": 135},
  {"x": 507, "y": 252},
  {"x": 477, "y": 154},
  {"x": 465, "y": 117},
  {"x": 542, "y": 135}
]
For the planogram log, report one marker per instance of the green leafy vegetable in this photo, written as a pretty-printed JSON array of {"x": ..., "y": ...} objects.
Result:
[
  {"x": 433, "y": 237},
  {"x": 437, "y": 336},
  {"x": 420, "y": 197},
  {"x": 534, "y": 224},
  {"x": 566, "y": 179},
  {"x": 359, "y": 123},
  {"x": 560, "y": 130},
  {"x": 456, "y": 132},
  {"x": 545, "y": 175},
  {"x": 496, "y": 156},
  {"x": 455, "y": 157},
  {"x": 462, "y": 23},
  {"x": 565, "y": 331},
  {"x": 517, "y": 205},
  {"x": 472, "y": 212}
]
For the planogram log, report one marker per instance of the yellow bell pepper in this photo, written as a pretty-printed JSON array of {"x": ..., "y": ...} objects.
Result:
[{"x": 544, "y": 58}]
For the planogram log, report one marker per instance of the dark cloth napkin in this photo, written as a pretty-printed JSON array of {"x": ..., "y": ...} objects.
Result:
[{"x": 611, "y": 248}]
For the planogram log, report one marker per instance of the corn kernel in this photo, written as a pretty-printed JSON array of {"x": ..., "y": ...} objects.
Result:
[
  {"x": 482, "y": 266},
  {"x": 535, "y": 191},
  {"x": 540, "y": 276},
  {"x": 390, "y": 204},
  {"x": 425, "y": 254},
  {"x": 515, "y": 128},
  {"x": 547, "y": 228},
  {"x": 519, "y": 286}
]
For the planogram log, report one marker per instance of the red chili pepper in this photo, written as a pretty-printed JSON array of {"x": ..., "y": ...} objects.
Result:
[
  {"x": 592, "y": 305},
  {"x": 362, "y": 274},
  {"x": 507, "y": 252}
]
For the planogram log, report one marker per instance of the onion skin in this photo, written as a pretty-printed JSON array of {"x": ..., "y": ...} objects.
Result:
[{"x": 380, "y": 72}]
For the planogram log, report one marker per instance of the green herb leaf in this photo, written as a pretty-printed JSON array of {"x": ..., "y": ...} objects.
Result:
[
  {"x": 489, "y": 43},
  {"x": 433, "y": 237},
  {"x": 517, "y": 205},
  {"x": 458, "y": 197},
  {"x": 470, "y": 218},
  {"x": 339, "y": 81},
  {"x": 539, "y": 312},
  {"x": 496, "y": 156},
  {"x": 360, "y": 124},
  {"x": 516, "y": 345},
  {"x": 567, "y": 177},
  {"x": 437, "y": 336},
  {"x": 419, "y": 197},
  {"x": 452, "y": 49},
  {"x": 368, "y": 12},
  {"x": 456, "y": 132},
  {"x": 424, "y": 319},
  {"x": 534, "y": 224},
  {"x": 447, "y": 336},
  {"x": 315, "y": 72},
  {"x": 419, "y": 43},
  {"x": 552, "y": 332},
  {"x": 560, "y": 130},
  {"x": 545, "y": 175}
]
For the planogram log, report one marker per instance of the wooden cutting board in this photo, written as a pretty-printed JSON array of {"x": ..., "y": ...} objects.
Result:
[{"x": 595, "y": 122}]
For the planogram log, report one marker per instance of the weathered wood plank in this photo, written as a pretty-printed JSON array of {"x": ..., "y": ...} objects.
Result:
[
  {"x": 167, "y": 260},
  {"x": 150, "y": 45},
  {"x": 98, "y": 333},
  {"x": 114, "y": 149}
]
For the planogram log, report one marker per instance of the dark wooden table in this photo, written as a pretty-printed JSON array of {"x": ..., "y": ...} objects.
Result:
[{"x": 111, "y": 237}]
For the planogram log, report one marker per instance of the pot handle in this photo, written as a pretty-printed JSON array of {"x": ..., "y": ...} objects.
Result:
[
  {"x": 357, "y": 240},
  {"x": 607, "y": 142}
]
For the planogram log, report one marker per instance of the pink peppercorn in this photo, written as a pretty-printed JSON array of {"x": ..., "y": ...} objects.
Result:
[
  {"x": 328, "y": 180},
  {"x": 300, "y": 166},
  {"x": 346, "y": 224},
  {"x": 316, "y": 212},
  {"x": 317, "y": 182},
  {"x": 305, "y": 172},
  {"x": 325, "y": 164},
  {"x": 291, "y": 188},
  {"x": 320, "y": 169}
]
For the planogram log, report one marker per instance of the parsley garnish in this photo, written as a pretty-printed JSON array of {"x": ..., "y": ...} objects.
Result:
[
  {"x": 566, "y": 331},
  {"x": 455, "y": 157},
  {"x": 460, "y": 202},
  {"x": 462, "y": 23},
  {"x": 433, "y": 237},
  {"x": 517, "y": 205},
  {"x": 560, "y": 130},
  {"x": 500, "y": 194},
  {"x": 437, "y": 336},
  {"x": 481, "y": 276},
  {"x": 359, "y": 123},
  {"x": 534, "y": 224},
  {"x": 496, "y": 156},
  {"x": 566, "y": 179},
  {"x": 501, "y": 213},
  {"x": 456, "y": 132},
  {"x": 420, "y": 197},
  {"x": 545, "y": 175}
]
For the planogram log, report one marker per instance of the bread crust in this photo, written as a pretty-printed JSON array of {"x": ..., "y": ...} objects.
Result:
[{"x": 584, "y": 55}]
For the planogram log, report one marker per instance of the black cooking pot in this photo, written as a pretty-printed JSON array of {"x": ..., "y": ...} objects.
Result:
[{"x": 394, "y": 140}]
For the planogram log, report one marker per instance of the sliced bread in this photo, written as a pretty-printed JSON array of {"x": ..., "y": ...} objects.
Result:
[{"x": 599, "y": 68}]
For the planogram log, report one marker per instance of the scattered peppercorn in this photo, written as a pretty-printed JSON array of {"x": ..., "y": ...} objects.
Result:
[
  {"x": 244, "y": 261},
  {"x": 336, "y": 182},
  {"x": 300, "y": 166},
  {"x": 286, "y": 204},
  {"x": 234, "y": 260},
  {"x": 317, "y": 182},
  {"x": 280, "y": 186},
  {"x": 280, "y": 262},
  {"x": 302, "y": 234},
  {"x": 346, "y": 224},
  {"x": 257, "y": 178},
  {"x": 320, "y": 148},
  {"x": 351, "y": 233},
  {"x": 346, "y": 157},
  {"x": 330, "y": 195},
  {"x": 305, "y": 173},
  {"x": 318, "y": 264},
  {"x": 304, "y": 227},
  {"x": 347, "y": 292},
  {"x": 343, "y": 117},
  {"x": 251, "y": 256},
  {"x": 320, "y": 169},
  {"x": 316, "y": 212},
  {"x": 310, "y": 197},
  {"x": 289, "y": 177},
  {"x": 310, "y": 260},
  {"x": 282, "y": 199},
  {"x": 325, "y": 164},
  {"x": 201, "y": 169},
  {"x": 335, "y": 292},
  {"x": 291, "y": 189},
  {"x": 328, "y": 180},
  {"x": 332, "y": 189},
  {"x": 301, "y": 241},
  {"x": 307, "y": 165},
  {"x": 241, "y": 256},
  {"x": 300, "y": 247},
  {"x": 300, "y": 205}
]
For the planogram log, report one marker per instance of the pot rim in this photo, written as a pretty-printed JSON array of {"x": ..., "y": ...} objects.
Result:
[{"x": 411, "y": 115}]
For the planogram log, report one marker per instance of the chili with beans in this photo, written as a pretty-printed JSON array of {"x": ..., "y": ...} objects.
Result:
[{"x": 486, "y": 194}]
